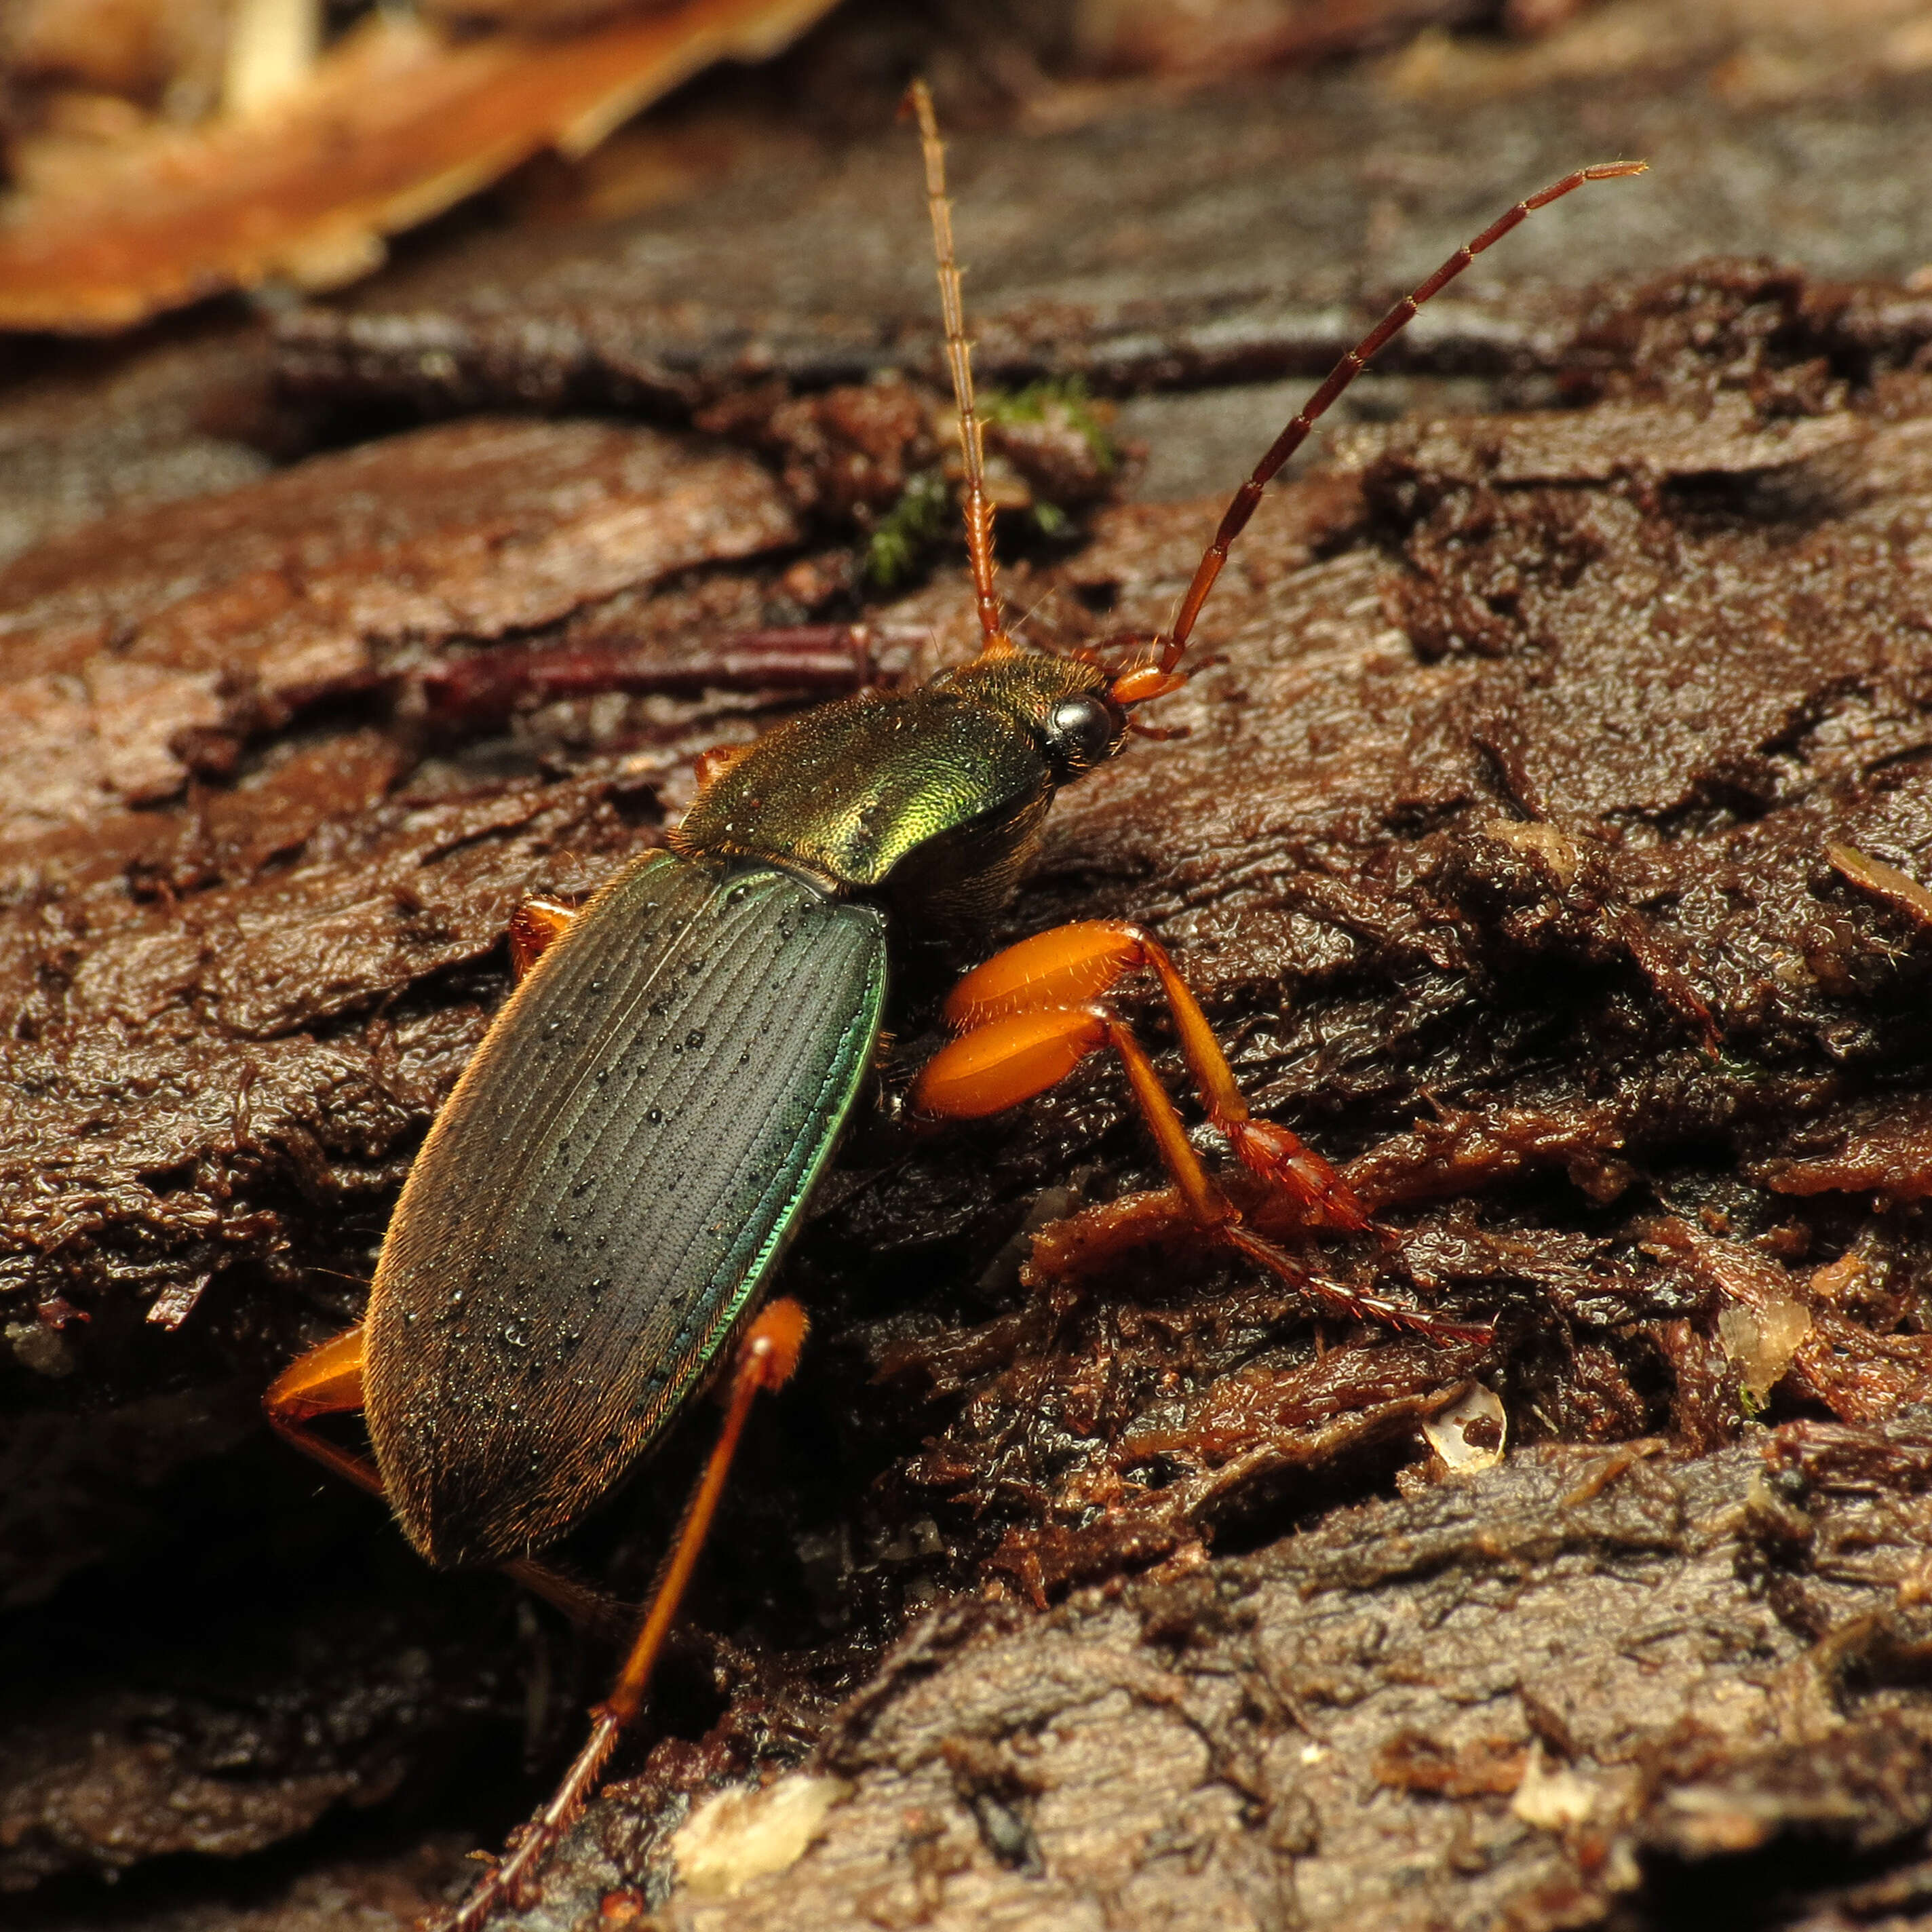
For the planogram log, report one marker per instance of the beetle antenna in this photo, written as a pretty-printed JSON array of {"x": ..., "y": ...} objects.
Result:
[
  {"x": 979, "y": 506},
  {"x": 1155, "y": 679}
]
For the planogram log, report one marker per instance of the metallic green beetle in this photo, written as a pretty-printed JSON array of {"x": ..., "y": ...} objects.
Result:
[{"x": 607, "y": 1191}]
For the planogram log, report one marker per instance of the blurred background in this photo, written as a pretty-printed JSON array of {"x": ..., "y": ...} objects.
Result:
[
  {"x": 1255, "y": 174},
  {"x": 183, "y": 177}
]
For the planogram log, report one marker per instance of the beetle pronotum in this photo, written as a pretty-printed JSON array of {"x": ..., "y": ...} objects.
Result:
[{"x": 585, "y": 1239}]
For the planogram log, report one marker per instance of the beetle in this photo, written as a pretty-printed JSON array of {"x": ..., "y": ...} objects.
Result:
[{"x": 585, "y": 1239}]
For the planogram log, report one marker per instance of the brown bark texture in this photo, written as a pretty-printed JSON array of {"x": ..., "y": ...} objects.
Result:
[{"x": 1550, "y": 842}]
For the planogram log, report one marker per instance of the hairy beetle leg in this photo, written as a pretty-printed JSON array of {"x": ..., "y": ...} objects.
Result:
[
  {"x": 767, "y": 1357},
  {"x": 1060, "y": 971},
  {"x": 328, "y": 1380}
]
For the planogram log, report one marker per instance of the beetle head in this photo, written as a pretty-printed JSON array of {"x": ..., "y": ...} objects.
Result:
[{"x": 1065, "y": 704}]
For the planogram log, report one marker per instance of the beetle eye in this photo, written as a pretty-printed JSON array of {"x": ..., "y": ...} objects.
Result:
[{"x": 1081, "y": 730}]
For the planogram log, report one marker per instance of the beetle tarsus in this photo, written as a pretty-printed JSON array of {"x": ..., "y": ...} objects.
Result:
[
  {"x": 1334, "y": 1299},
  {"x": 1276, "y": 1154},
  {"x": 510, "y": 1880}
]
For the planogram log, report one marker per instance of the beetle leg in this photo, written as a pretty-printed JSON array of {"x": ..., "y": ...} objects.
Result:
[
  {"x": 1087, "y": 1242},
  {"x": 767, "y": 1357},
  {"x": 1075, "y": 963},
  {"x": 1018, "y": 1054},
  {"x": 1337, "y": 1300},
  {"x": 328, "y": 1380},
  {"x": 1013, "y": 1057},
  {"x": 534, "y": 926}
]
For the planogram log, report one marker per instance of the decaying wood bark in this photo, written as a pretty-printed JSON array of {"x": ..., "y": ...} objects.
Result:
[{"x": 1549, "y": 843}]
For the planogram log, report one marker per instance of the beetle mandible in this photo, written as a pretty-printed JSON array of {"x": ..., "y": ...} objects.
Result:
[{"x": 584, "y": 1241}]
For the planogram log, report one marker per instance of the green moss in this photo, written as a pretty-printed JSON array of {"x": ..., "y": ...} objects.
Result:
[
  {"x": 907, "y": 528},
  {"x": 924, "y": 505},
  {"x": 1066, "y": 397}
]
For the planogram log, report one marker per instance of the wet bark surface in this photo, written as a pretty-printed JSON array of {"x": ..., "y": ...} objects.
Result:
[
  {"x": 1578, "y": 1690},
  {"x": 1548, "y": 844}
]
